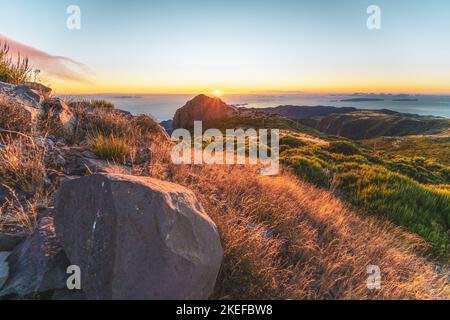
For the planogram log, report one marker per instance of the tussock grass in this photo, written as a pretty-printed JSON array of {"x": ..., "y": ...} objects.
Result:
[
  {"x": 398, "y": 188},
  {"x": 125, "y": 134},
  {"x": 101, "y": 104},
  {"x": 109, "y": 147},
  {"x": 18, "y": 214},
  {"x": 23, "y": 173}
]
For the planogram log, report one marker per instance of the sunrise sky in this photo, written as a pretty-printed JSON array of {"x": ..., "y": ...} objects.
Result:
[{"x": 234, "y": 46}]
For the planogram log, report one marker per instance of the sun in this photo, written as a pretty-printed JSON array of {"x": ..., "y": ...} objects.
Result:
[{"x": 218, "y": 93}]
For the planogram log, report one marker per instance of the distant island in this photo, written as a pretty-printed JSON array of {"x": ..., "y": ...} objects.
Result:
[
  {"x": 405, "y": 99},
  {"x": 361, "y": 99}
]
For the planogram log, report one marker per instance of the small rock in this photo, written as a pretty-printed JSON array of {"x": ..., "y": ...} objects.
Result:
[
  {"x": 9, "y": 241},
  {"x": 57, "y": 110},
  {"x": 38, "y": 264},
  {"x": 89, "y": 154},
  {"x": 4, "y": 268}
]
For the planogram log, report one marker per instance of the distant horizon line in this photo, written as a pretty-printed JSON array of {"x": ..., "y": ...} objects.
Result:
[{"x": 224, "y": 94}]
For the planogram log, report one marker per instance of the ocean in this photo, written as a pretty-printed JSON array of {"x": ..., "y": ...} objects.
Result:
[{"x": 163, "y": 107}]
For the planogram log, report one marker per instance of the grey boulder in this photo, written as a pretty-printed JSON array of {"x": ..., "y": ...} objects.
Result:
[
  {"x": 137, "y": 238},
  {"x": 37, "y": 265},
  {"x": 4, "y": 268},
  {"x": 8, "y": 241},
  {"x": 59, "y": 112}
]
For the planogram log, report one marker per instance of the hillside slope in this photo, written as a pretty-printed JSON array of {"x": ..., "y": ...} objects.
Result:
[{"x": 358, "y": 123}]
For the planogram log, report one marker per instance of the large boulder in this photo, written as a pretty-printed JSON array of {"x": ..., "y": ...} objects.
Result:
[
  {"x": 37, "y": 265},
  {"x": 137, "y": 238},
  {"x": 201, "y": 108}
]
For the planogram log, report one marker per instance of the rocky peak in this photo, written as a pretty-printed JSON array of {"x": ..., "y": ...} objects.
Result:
[{"x": 201, "y": 108}]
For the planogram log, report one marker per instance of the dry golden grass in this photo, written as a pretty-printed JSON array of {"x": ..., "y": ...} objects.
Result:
[
  {"x": 22, "y": 168},
  {"x": 17, "y": 214},
  {"x": 22, "y": 163},
  {"x": 109, "y": 147},
  {"x": 284, "y": 239}
]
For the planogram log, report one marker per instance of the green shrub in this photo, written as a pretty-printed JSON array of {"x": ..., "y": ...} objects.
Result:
[
  {"x": 292, "y": 142},
  {"x": 310, "y": 170},
  {"x": 420, "y": 209}
]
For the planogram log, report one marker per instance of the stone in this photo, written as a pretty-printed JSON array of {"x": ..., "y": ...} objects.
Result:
[
  {"x": 8, "y": 241},
  {"x": 38, "y": 87},
  {"x": 59, "y": 112},
  {"x": 26, "y": 100},
  {"x": 89, "y": 154},
  {"x": 38, "y": 264},
  {"x": 4, "y": 268},
  {"x": 137, "y": 238}
]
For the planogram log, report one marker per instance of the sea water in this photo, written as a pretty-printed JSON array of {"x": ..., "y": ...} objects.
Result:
[{"x": 163, "y": 106}]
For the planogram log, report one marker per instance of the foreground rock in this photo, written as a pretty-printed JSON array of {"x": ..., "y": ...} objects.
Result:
[
  {"x": 4, "y": 268},
  {"x": 37, "y": 265},
  {"x": 137, "y": 238},
  {"x": 9, "y": 241},
  {"x": 201, "y": 108}
]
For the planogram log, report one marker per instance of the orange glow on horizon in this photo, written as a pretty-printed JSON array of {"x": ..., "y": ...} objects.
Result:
[{"x": 315, "y": 86}]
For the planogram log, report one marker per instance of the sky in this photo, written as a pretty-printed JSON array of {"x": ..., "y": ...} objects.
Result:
[{"x": 175, "y": 46}]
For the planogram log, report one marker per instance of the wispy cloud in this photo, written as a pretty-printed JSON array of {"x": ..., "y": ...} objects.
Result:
[{"x": 59, "y": 67}]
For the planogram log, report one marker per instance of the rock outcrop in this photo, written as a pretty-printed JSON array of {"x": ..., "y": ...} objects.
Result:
[
  {"x": 59, "y": 113},
  {"x": 23, "y": 98},
  {"x": 137, "y": 238},
  {"x": 33, "y": 101},
  {"x": 4, "y": 267},
  {"x": 201, "y": 108}
]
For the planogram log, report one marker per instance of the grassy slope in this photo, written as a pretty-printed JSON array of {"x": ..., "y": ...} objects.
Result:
[
  {"x": 286, "y": 239},
  {"x": 398, "y": 188},
  {"x": 436, "y": 148}
]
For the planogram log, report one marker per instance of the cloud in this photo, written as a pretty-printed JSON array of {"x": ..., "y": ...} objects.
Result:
[{"x": 58, "y": 67}]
